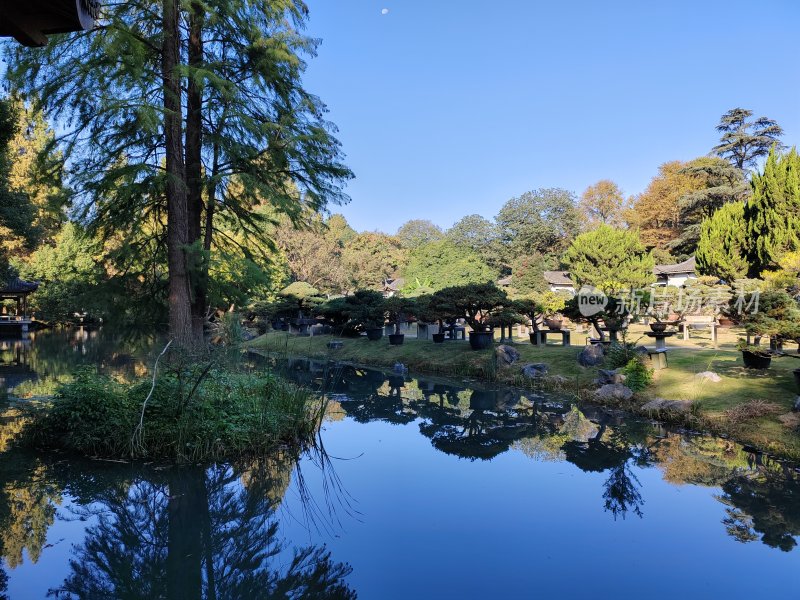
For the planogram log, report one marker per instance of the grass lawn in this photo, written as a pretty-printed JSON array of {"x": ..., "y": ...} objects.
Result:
[{"x": 774, "y": 431}]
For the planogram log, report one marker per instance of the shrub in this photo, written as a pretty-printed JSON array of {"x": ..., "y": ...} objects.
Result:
[
  {"x": 619, "y": 354},
  {"x": 637, "y": 375}
]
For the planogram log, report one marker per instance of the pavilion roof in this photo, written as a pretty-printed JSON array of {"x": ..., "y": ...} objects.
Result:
[{"x": 15, "y": 285}]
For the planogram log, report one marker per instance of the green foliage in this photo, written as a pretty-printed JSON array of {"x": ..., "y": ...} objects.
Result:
[
  {"x": 743, "y": 142},
  {"x": 366, "y": 309},
  {"x": 619, "y": 354},
  {"x": 723, "y": 244},
  {"x": 398, "y": 308},
  {"x": 542, "y": 221},
  {"x": 479, "y": 235},
  {"x": 772, "y": 313},
  {"x": 637, "y": 375},
  {"x": 444, "y": 264},
  {"x": 612, "y": 260},
  {"x": 228, "y": 414},
  {"x": 370, "y": 258},
  {"x": 475, "y": 303},
  {"x": 723, "y": 184},
  {"x": 528, "y": 273},
  {"x": 772, "y": 214},
  {"x": 416, "y": 232}
]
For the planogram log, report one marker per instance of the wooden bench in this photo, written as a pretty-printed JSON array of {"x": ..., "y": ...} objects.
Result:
[{"x": 698, "y": 322}]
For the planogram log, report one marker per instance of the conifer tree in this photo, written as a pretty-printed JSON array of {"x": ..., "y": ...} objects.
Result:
[
  {"x": 772, "y": 213},
  {"x": 722, "y": 248}
]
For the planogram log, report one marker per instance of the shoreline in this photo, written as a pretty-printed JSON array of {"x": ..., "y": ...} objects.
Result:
[{"x": 710, "y": 404}]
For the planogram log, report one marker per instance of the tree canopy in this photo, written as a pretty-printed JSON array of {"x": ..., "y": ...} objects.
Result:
[
  {"x": 603, "y": 203},
  {"x": 744, "y": 141}
]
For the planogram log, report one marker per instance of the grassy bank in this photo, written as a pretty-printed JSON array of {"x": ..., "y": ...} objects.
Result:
[
  {"x": 191, "y": 416},
  {"x": 751, "y": 406}
]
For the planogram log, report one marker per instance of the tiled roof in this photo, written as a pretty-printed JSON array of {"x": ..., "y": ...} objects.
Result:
[
  {"x": 19, "y": 286},
  {"x": 557, "y": 278},
  {"x": 687, "y": 266}
]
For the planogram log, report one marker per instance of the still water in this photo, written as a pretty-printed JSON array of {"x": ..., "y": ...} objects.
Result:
[{"x": 420, "y": 488}]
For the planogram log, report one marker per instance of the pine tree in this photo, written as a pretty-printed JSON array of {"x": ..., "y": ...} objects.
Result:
[
  {"x": 772, "y": 214},
  {"x": 722, "y": 248},
  {"x": 613, "y": 260},
  {"x": 743, "y": 142}
]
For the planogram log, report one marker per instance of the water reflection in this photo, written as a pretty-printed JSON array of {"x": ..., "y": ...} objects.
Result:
[
  {"x": 183, "y": 533},
  {"x": 479, "y": 422}
]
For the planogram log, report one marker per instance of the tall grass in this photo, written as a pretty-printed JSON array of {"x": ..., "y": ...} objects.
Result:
[{"x": 213, "y": 414}]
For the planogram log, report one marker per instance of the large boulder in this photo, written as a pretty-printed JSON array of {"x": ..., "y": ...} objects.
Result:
[
  {"x": 613, "y": 391},
  {"x": 606, "y": 376},
  {"x": 662, "y": 405},
  {"x": 534, "y": 370},
  {"x": 591, "y": 356},
  {"x": 507, "y": 355}
]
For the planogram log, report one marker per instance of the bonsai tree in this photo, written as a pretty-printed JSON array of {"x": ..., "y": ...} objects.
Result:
[
  {"x": 337, "y": 313},
  {"x": 614, "y": 315},
  {"x": 776, "y": 315},
  {"x": 507, "y": 316},
  {"x": 539, "y": 306},
  {"x": 367, "y": 309},
  {"x": 476, "y": 302},
  {"x": 396, "y": 308},
  {"x": 302, "y": 296},
  {"x": 436, "y": 308}
]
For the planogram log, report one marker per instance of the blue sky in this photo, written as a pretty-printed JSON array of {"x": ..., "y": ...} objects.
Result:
[{"x": 450, "y": 108}]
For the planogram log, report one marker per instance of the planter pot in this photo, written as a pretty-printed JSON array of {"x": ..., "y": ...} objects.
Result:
[
  {"x": 396, "y": 339},
  {"x": 658, "y": 327},
  {"x": 481, "y": 340},
  {"x": 725, "y": 322},
  {"x": 534, "y": 338},
  {"x": 797, "y": 379},
  {"x": 755, "y": 361},
  {"x": 438, "y": 338},
  {"x": 373, "y": 335},
  {"x": 554, "y": 323}
]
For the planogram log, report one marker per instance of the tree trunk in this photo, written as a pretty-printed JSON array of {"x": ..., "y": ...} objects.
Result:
[
  {"x": 194, "y": 184},
  {"x": 180, "y": 316}
]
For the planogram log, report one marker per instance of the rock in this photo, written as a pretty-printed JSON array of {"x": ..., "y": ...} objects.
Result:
[
  {"x": 642, "y": 350},
  {"x": 661, "y": 405},
  {"x": 535, "y": 370},
  {"x": 796, "y": 407},
  {"x": 577, "y": 427},
  {"x": 708, "y": 376},
  {"x": 591, "y": 356},
  {"x": 507, "y": 355},
  {"x": 606, "y": 376},
  {"x": 399, "y": 368},
  {"x": 335, "y": 344},
  {"x": 613, "y": 391}
]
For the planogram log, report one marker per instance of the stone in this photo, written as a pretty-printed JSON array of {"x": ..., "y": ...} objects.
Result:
[
  {"x": 591, "y": 356},
  {"x": 506, "y": 354},
  {"x": 661, "y": 405},
  {"x": 535, "y": 370},
  {"x": 708, "y": 376},
  {"x": 642, "y": 350},
  {"x": 613, "y": 391},
  {"x": 335, "y": 344},
  {"x": 606, "y": 376},
  {"x": 796, "y": 407},
  {"x": 399, "y": 368}
]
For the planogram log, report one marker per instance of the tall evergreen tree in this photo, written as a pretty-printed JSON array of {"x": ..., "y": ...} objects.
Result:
[
  {"x": 743, "y": 142},
  {"x": 159, "y": 118},
  {"x": 772, "y": 214},
  {"x": 722, "y": 248}
]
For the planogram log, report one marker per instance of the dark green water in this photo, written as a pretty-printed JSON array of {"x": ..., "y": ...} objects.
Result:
[{"x": 422, "y": 488}]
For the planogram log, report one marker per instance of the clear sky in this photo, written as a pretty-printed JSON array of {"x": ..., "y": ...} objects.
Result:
[{"x": 450, "y": 108}]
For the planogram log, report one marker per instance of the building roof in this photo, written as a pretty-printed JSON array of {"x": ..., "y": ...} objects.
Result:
[
  {"x": 505, "y": 281},
  {"x": 558, "y": 278},
  {"x": 394, "y": 285},
  {"x": 687, "y": 266},
  {"x": 18, "y": 286}
]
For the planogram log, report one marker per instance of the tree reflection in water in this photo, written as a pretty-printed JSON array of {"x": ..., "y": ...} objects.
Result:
[
  {"x": 197, "y": 533},
  {"x": 481, "y": 423}
]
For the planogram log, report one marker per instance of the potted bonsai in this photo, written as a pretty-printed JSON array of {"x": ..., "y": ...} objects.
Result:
[
  {"x": 436, "y": 308},
  {"x": 368, "y": 313},
  {"x": 538, "y": 307},
  {"x": 396, "y": 309},
  {"x": 776, "y": 316},
  {"x": 475, "y": 303}
]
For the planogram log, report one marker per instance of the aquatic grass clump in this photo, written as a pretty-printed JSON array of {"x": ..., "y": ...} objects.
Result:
[{"x": 193, "y": 415}]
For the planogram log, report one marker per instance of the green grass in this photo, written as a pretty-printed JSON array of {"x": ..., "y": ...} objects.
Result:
[{"x": 678, "y": 382}]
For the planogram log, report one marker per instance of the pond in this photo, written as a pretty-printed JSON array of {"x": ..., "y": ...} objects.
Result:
[{"x": 420, "y": 487}]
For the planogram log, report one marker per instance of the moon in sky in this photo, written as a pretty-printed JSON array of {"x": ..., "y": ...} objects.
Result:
[{"x": 385, "y": 11}]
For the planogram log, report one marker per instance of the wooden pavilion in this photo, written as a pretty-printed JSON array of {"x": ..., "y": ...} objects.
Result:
[{"x": 18, "y": 290}]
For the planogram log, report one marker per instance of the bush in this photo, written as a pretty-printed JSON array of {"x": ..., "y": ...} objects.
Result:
[
  {"x": 620, "y": 354},
  {"x": 637, "y": 375},
  {"x": 226, "y": 415}
]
